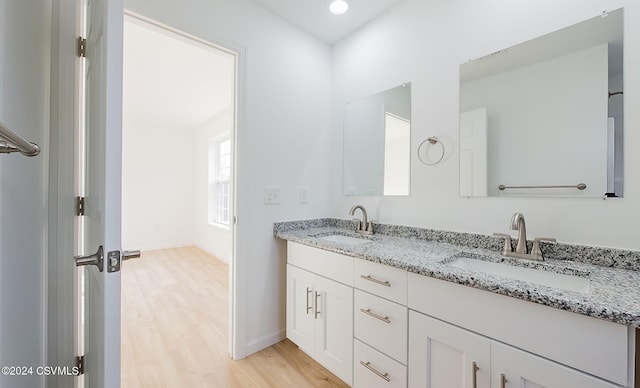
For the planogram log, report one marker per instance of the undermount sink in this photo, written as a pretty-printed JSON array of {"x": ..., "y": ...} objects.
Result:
[
  {"x": 537, "y": 276},
  {"x": 347, "y": 240}
]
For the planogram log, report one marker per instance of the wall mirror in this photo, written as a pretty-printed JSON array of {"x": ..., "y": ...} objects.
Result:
[
  {"x": 377, "y": 143},
  {"x": 545, "y": 117}
]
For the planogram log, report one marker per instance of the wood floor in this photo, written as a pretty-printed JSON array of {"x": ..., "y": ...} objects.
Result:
[{"x": 174, "y": 330}]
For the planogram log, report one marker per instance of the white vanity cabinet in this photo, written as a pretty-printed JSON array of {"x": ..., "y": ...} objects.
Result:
[
  {"x": 522, "y": 369},
  {"x": 320, "y": 309},
  {"x": 445, "y": 356},
  {"x": 462, "y": 325},
  {"x": 379, "y": 326},
  {"x": 442, "y": 355}
]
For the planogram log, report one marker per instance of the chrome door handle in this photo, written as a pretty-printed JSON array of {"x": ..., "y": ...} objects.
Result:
[
  {"x": 115, "y": 259},
  {"x": 317, "y": 306},
  {"x": 96, "y": 259},
  {"x": 126, "y": 255},
  {"x": 503, "y": 381},
  {"x": 474, "y": 374},
  {"x": 309, "y": 308}
]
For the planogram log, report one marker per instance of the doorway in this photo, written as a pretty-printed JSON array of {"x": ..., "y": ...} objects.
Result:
[{"x": 178, "y": 171}]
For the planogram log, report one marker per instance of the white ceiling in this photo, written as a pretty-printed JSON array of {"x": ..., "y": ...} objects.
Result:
[
  {"x": 170, "y": 81},
  {"x": 173, "y": 82},
  {"x": 314, "y": 17}
]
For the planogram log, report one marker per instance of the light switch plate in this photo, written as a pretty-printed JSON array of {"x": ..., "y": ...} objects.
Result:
[
  {"x": 303, "y": 195},
  {"x": 271, "y": 195}
]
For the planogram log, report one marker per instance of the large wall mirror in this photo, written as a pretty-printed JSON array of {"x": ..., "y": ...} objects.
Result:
[
  {"x": 545, "y": 117},
  {"x": 377, "y": 143}
]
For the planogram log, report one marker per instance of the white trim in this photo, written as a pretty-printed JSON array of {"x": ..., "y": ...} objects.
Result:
[
  {"x": 60, "y": 331},
  {"x": 265, "y": 342},
  {"x": 155, "y": 247}
]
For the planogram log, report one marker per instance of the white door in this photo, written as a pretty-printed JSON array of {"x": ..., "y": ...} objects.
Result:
[
  {"x": 473, "y": 153},
  {"x": 525, "y": 370},
  {"x": 300, "y": 308},
  {"x": 444, "y": 356},
  {"x": 103, "y": 112},
  {"x": 334, "y": 327}
]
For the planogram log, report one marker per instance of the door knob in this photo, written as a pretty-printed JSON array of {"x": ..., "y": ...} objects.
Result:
[
  {"x": 127, "y": 255},
  {"x": 96, "y": 259},
  {"x": 114, "y": 260}
]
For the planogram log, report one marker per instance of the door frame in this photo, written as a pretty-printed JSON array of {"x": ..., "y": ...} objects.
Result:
[
  {"x": 60, "y": 267},
  {"x": 237, "y": 285}
]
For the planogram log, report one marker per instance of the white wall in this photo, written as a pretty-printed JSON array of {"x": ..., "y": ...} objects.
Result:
[
  {"x": 157, "y": 186},
  {"x": 425, "y": 42},
  {"x": 24, "y": 107},
  {"x": 282, "y": 140},
  {"x": 215, "y": 239},
  {"x": 528, "y": 134}
]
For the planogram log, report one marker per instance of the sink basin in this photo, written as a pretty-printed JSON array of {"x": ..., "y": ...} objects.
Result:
[
  {"x": 531, "y": 275},
  {"x": 347, "y": 240}
]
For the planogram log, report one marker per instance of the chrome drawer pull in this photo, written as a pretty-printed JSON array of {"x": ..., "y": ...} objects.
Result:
[
  {"x": 384, "y": 376},
  {"x": 376, "y": 316},
  {"x": 371, "y": 279}
]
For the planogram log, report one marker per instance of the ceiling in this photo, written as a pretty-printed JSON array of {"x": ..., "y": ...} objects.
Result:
[
  {"x": 172, "y": 82},
  {"x": 314, "y": 17}
]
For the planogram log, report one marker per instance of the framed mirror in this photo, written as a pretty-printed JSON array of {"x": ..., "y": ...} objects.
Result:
[
  {"x": 377, "y": 143},
  {"x": 545, "y": 117}
]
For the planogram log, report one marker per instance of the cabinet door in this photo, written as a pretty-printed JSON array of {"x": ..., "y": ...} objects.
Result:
[
  {"x": 443, "y": 356},
  {"x": 334, "y": 327},
  {"x": 300, "y": 312},
  {"x": 525, "y": 370}
]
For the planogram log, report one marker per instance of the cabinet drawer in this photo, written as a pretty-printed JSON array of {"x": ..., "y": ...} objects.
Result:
[
  {"x": 382, "y": 280},
  {"x": 328, "y": 264},
  {"x": 381, "y": 324},
  {"x": 372, "y": 369}
]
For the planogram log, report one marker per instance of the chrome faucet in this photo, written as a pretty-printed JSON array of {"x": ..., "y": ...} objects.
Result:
[
  {"x": 517, "y": 223},
  {"x": 521, "y": 252},
  {"x": 364, "y": 225}
]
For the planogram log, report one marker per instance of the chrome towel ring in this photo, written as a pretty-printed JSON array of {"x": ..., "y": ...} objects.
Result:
[{"x": 433, "y": 141}]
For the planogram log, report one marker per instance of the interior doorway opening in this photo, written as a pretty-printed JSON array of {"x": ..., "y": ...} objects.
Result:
[{"x": 179, "y": 123}]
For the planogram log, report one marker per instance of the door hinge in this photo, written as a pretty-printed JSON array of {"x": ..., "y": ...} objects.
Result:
[
  {"x": 80, "y": 206},
  {"x": 80, "y": 364},
  {"x": 82, "y": 47}
]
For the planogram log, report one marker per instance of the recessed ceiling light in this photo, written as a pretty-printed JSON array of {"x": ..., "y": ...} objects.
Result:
[{"x": 338, "y": 7}]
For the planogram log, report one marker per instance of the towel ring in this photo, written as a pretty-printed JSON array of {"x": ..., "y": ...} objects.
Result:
[{"x": 432, "y": 140}]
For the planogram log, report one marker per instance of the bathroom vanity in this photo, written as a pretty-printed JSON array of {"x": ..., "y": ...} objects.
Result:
[{"x": 397, "y": 309}]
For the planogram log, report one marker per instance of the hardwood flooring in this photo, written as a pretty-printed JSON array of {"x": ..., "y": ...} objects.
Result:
[{"x": 174, "y": 330}]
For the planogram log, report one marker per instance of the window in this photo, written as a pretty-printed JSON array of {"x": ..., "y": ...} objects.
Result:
[{"x": 220, "y": 180}]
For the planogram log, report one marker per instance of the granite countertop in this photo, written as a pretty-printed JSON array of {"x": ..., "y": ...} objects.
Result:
[{"x": 613, "y": 295}]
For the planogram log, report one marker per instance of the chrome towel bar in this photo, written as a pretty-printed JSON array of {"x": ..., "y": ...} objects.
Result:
[
  {"x": 16, "y": 143},
  {"x": 579, "y": 186}
]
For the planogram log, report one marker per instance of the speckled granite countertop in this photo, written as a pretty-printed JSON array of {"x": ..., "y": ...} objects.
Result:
[{"x": 614, "y": 289}]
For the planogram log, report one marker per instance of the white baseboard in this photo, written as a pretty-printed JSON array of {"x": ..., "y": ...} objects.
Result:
[
  {"x": 155, "y": 247},
  {"x": 212, "y": 253},
  {"x": 264, "y": 342}
]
